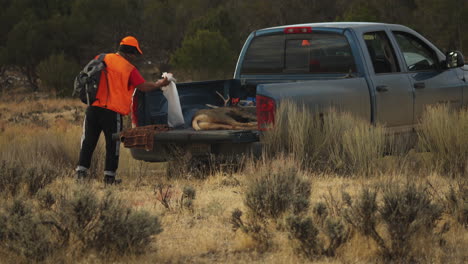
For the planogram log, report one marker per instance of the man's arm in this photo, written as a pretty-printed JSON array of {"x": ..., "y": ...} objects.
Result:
[{"x": 150, "y": 86}]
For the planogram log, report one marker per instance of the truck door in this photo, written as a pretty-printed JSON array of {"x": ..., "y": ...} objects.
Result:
[
  {"x": 432, "y": 85},
  {"x": 393, "y": 91}
]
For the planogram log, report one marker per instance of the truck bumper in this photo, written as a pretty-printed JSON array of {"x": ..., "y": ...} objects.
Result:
[{"x": 167, "y": 152}]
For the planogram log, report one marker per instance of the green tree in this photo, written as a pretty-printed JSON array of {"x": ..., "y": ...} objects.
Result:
[
  {"x": 396, "y": 11},
  {"x": 27, "y": 46},
  {"x": 206, "y": 54},
  {"x": 57, "y": 73},
  {"x": 219, "y": 20},
  {"x": 165, "y": 26},
  {"x": 103, "y": 23},
  {"x": 443, "y": 22},
  {"x": 361, "y": 11},
  {"x": 30, "y": 34}
]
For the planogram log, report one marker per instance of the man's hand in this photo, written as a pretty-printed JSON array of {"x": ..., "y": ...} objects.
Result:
[
  {"x": 163, "y": 82},
  {"x": 150, "y": 86}
]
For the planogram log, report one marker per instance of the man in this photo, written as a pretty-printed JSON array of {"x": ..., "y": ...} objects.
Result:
[{"x": 113, "y": 100}]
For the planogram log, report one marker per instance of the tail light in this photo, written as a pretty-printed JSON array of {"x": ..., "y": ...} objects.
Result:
[
  {"x": 297, "y": 30},
  {"x": 265, "y": 112}
]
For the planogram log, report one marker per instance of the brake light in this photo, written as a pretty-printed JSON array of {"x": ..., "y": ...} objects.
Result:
[
  {"x": 265, "y": 112},
  {"x": 297, "y": 30}
]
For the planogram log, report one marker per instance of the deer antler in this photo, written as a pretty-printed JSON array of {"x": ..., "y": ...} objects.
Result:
[{"x": 224, "y": 99}]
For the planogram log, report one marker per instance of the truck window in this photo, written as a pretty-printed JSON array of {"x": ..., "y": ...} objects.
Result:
[
  {"x": 381, "y": 52},
  {"x": 299, "y": 54},
  {"x": 418, "y": 56}
]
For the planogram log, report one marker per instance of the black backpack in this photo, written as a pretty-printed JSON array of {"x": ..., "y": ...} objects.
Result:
[{"x": 87, "y": 81}]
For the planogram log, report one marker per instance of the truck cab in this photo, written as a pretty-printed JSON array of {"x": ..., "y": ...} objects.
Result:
[{"x": 395, "y": 71}]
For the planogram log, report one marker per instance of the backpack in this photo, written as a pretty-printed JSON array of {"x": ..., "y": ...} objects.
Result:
[{"x": 87, "y": 81}]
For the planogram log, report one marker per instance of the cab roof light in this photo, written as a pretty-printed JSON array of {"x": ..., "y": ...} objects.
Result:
[{"x": 297, "y": 30}]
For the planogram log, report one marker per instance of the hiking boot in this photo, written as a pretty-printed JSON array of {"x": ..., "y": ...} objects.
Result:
[
  {"x": 111, "y": 180},
  {"x": 81, "y": 176}
]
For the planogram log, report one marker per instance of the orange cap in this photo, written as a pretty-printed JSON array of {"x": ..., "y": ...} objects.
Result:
[{"x": 131, "y": 41}]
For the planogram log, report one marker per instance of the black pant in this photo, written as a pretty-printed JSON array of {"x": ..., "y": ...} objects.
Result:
[{"x": 99, "y": 119}]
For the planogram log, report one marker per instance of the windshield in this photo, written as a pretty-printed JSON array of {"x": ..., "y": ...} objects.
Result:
[{"x": 299, "y": 54}]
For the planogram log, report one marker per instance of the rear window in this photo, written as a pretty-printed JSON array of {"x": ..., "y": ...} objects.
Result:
[{"x": 299, "y": 54}]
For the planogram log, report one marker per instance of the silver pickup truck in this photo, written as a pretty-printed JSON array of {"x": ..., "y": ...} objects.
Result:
[{"x": 383, "y": 73}]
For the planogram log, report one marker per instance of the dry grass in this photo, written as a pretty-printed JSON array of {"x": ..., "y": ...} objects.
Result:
[
  {"x": 444, "y": 134},
  {"x": 331, "y": 143},
  {"x": 202, "y": 232}
]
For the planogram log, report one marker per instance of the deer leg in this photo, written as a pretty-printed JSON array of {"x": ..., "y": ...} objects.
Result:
[
  {"x": 245, "y": 127},
  {"x": 213, "y": 126}
]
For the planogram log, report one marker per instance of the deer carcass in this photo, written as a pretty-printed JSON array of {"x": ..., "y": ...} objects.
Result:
[{"x": 232, "y": 117}]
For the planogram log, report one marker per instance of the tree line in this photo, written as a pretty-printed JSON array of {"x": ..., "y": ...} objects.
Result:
[{"x": 50, "y": 40}]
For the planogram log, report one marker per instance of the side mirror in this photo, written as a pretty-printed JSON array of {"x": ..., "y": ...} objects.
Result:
[{"x": 454, "y": 59}]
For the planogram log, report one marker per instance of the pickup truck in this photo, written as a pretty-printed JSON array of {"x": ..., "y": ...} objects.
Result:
[{"x": 383, "y": 73}]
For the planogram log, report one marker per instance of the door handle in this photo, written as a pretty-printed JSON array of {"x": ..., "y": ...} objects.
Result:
[
  {"x": 419, "y": 85},
  {"x": 381, "y": 88}
]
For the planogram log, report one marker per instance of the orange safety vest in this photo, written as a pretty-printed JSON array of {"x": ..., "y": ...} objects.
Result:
[{"x": 115, "y": 92}]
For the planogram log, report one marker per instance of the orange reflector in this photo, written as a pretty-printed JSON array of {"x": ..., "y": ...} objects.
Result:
[{"x": 305, "y": 42}]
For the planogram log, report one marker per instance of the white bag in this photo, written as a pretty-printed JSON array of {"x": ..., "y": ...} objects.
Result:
[{"x": 174, "y": 111}]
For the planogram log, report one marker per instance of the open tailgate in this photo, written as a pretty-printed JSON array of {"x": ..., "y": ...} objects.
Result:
[
  {"x": 145, "y": 137},
  {"x": 212, "y": 136}
]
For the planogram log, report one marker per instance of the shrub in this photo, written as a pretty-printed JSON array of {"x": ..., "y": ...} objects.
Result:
[
  {"x": 188, "y": 196},
  {"x": 255, "y": 227},
  {"x": 24, "y": 233},
  {"x": 406, "y": 214},
  {"x": 106, "y": 225},
  {"x": 443, "y": 135},
  {"x": 457, "y": 202},
  {"x": 320, "y": 210},
  {"x": 337, "y": 233},
  {"x": 33, "y": 177},
  {"x": 311, "y": 237},
  {"x": 122, "y": 230},
  {"x": 317, "y": 237},
  {"x": 37, "y": 178},
  {"x": 305, "y": 232},
  {"x": 10, "y": 178},
  {"x": 84, "y": 221},
  {"x": 273, "y": 193},
  {"x": 270, "y": 194},
  {"x": 363, "y": 214},
  {"x": 46, "y": 199},
  {"x": 80, "y": 215},
  {"x": 57, "y": 74},
  {"x": 236, "y": 219},
  {"x": 164, "y": 194}
]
